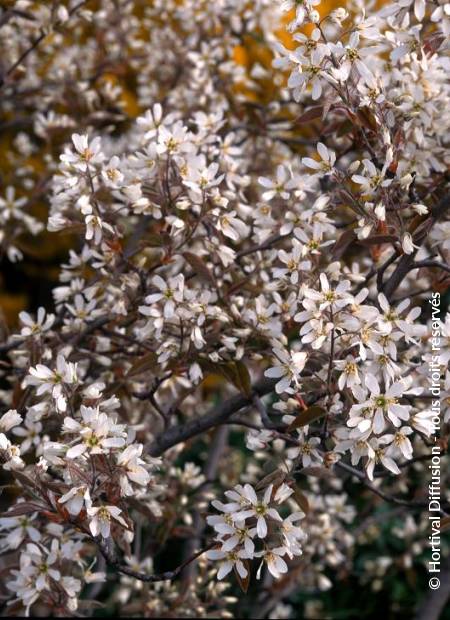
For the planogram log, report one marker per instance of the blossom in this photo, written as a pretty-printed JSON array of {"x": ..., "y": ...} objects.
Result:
[
  {"x": 18, "y": 529},
  {"x": 10, "y": 206},
  {"x": 373, "y": 178},
  {"x": 273, "y": 558},
  {"x": 53, "y": 381},
  {"x": 328, "y": 297},
  {"x": 9, "y": 420},
  {"x": 372, "y": 413},
  {"x": 171, "y": 293},
  {"x": 280, "y": 187},
  {"x": 86, "y": 153},
  {"x": 380, "y": 455},
  {"x": 100, "y": 519},
  {"x": 133, "y": 468},
  {"x": 33, "y": 328},
  {"x": 288, "y": 369},
  {"x": 97, "y": 433},
  {"x": 228, "y": 561},
  {"x": 75, "y": 499},
  {"x": 259, "y": 508},
  {"x": 326, "y": 163}
]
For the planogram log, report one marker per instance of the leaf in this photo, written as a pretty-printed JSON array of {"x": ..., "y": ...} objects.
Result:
[
  {"x": 154, "y": 241},
  {"x": 275, "y": 477},
  {"x": 367, "y": 119},
  {"x": 301, "y": 499},
  {"x": 23, "y": 508},
  {"x": 310, "y": 114},
  {"x": 346, "y": 127},
  {"x": 306, "y": 417},
  {"x": 243, "y": 582},
  {"x": 199, "y": 266},
  {"x": 144, "y": 363},
  {"x": 345, "y": 240},
  {"x": 377, "y": 240},
  {"x": 234, "y": 372},
  {"x": 24, "y": 480},
  {"x": 317, "y": 472},
  {"x": 244, "y": 382}
]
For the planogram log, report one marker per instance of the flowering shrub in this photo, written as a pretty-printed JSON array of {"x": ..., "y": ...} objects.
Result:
[{"x": 229, "y": 397}]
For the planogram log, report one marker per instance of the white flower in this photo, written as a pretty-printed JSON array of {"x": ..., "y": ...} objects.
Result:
[
  {"x": 328, "y": 297},
  {"x": 379, "y": 455},
  {"x": 97, "y": 433},
  {"x": 373, "y": 178},
  {"x": 112, "y": 176},
  {"x": 132, "y": 467},
  {"x": 407, "y": 244},
  {"x": 10, "y": 207},
  {"x": 372, "y": 413},
  {"x": 228, "y": 561},
  {"x": 100, "y": 519},
  {"x": 151, "y": 121},
  {"x": 258, "y": 508},
  {"x": 53, "y": 381},
  {"x": 293, "y": 534},
  {"x": 326, "y": 163},
  {"x": 86, "y": 153},
  {"x": 288, "y": 369},
  {"x": 280, "y": 187},
  {"x": 274, "y": 560},
  {"x": 10, "y": 419},
  {"x": 30, "y": 431},
  {"x": 34, "y": 328},
  {"x": 171, "y": 294},
  {"x": 236, "y": 533},
  {"x": 401, "y": 445},
  {"x": 232, "y": 226},
  {"x": 10, "y": 455},
  {"x": 19, "y": 529},
  {"x": 201, "y": 177},
  {"x": 76, "y": 499},
  {"x": 349, "y": 372}
]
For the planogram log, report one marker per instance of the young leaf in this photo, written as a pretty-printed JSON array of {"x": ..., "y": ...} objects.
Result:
[{"x": 306, "y": 417}]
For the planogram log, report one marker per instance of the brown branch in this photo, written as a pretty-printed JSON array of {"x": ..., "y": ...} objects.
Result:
[
  {"x": 371, "y": 487},
  {"x": 35, "y": 44},
  {"x": 216, "y": 450},
  {"x": 407, "y": 262},
  {"x": 126, "y": 570},
  {"x": 218, "y": 415}
]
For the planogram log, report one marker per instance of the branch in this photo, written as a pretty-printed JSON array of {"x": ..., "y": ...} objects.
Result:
[
  {"x": 407, "y": 263},
  {"x": 218, "y": 415},
  {"x": 217, "y": 447},
  {"x": 371, "y": 487},
  {"x": 35, "y": 44},
  {"x": 432, "y": 263},
  {"x": 126, "y": 570}
]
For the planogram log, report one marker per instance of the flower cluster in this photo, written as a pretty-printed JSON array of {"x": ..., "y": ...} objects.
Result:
[{"x": 247, "y": 518}]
